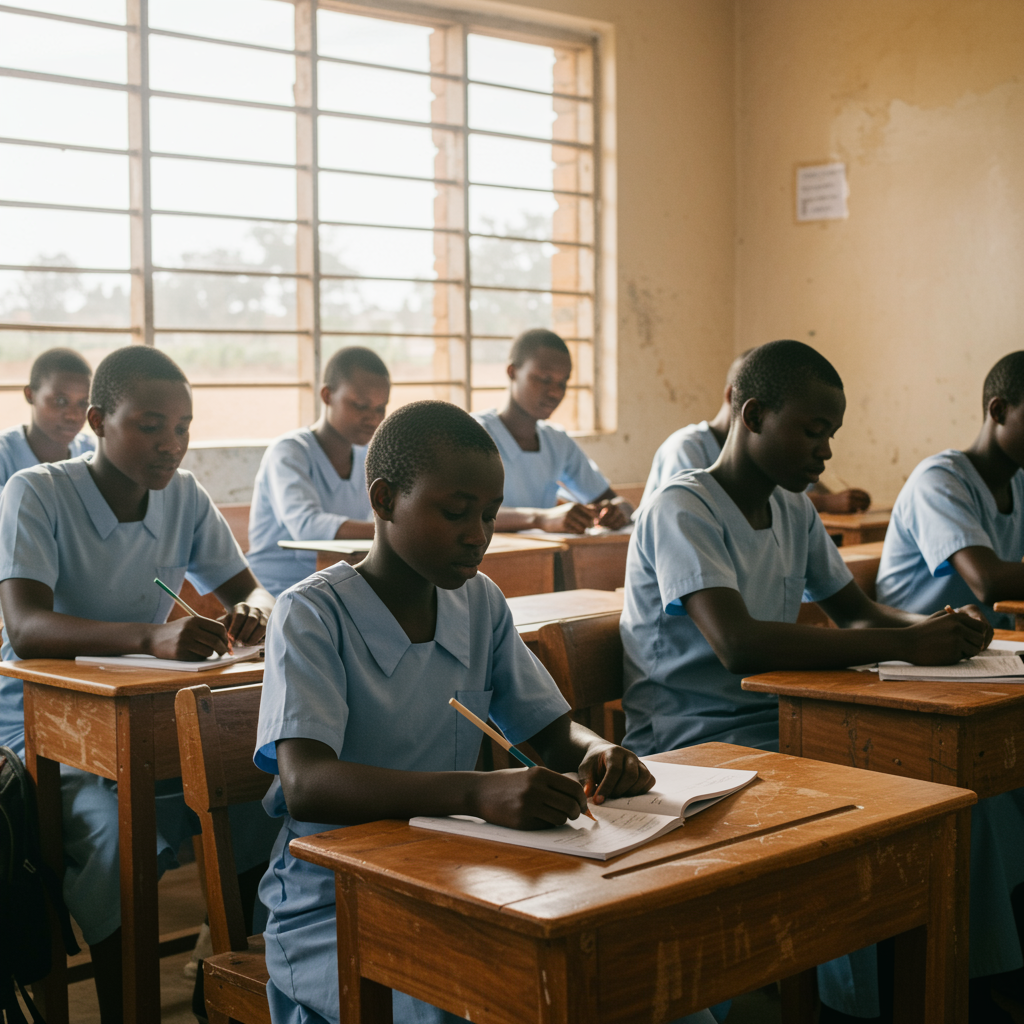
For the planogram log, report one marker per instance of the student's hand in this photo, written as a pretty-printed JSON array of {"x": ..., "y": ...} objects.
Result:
[
  {"x": 943, "y": 639},
  {"x": 192, "y": 638},
  {"x": 246, "y": 624},
  {"x": 614, "y": 771},
  {"x": 528, "y": 799},
  {"x": 571, "y": 517},
  {"x": 852, "y": 500},
  {"x": 613, "y": 514},
  {"x": 975, "y": 612}
]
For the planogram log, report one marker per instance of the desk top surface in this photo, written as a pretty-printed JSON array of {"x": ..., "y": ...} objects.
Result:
[
  {"x": 1010, "y": 607},
  {"x": 793, "y": 813},
  {"x": 66, "y": 674},
  {"x": 958, "y": 699},
  {"x": 601, "y": 536},
  {"x": 501, "y": 543},
  {"x": 871, "y": 551},
  {"x": 534, "y": 610},
  {"x": 856, "y": 520}
]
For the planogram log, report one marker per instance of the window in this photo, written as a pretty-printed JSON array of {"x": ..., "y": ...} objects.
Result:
[{"x": 251, "y": 184}]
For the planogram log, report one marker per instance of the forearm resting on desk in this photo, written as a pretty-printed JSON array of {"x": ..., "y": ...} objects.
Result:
[{"x": 989, "y": 577}]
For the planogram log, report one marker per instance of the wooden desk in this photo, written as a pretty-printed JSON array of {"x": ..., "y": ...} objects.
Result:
[
  {"x": 531, "y": 612},
  {"x": 1014, "y": 608},
  {"x": 857, "y": 527},
  {"x": 518, "y": 565},
  {"x": 743, "y": 895},
  {"x": 593, "y": 561},
  {"x": 118, "y": 723}
]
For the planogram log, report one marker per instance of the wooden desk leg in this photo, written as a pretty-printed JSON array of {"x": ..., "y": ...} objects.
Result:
[
  {"x": 800, "y": 997},
  {"x": 1018, "y": 622},
  {"x": 46, "y": 774},
  {"x": 136, "y": 812},
  {"x": 362, "y": 1001}
]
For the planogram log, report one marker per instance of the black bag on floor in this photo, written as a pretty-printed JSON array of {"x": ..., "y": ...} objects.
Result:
[{"x": 27, "y": 885}]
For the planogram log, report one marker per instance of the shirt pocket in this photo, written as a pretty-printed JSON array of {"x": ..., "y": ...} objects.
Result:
[
  {"x": 793, "y": 597},
  {"x": 467, "y": 735},
  {"x": 174, "y": 577}
]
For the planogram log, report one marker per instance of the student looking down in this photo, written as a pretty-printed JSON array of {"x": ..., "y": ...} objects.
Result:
[{"x": 541, "y": 459}]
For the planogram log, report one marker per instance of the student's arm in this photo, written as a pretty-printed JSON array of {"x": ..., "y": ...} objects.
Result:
[
  {"x": 37, "y": 631},
  {"x": 248, "y": 607},
  {"x": 989, "y": 577},
  {"x": 571, "y": 517},
  {"x": 746, "y": 645},
  {"x": 851, "y": 500},
  {"x": 614, "y": 511}
]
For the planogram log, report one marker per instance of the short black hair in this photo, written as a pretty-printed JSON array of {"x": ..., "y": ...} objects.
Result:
[
  {"x": 734, "y": 367},
  {"x": 775, "y": 372},
  {"x": 56, "y": 360},
  {"x": 346, "y": 361},
  {"x": 527, "y": 344},
  {"x": 1005, "y": 380},
  {"x": 126, "y": 367},
  {"x": 408, "y": 442}
]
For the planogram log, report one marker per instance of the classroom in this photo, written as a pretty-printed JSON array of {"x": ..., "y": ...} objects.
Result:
[{"x": 326, "y": 231}]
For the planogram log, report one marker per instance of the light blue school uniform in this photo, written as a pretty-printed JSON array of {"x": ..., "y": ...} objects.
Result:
[
  {"x": 534, "y": 479},
  {"x": 56, "y": 528},
  {"x": 298, "y": 495},
  {"x": 691, "y": 447},
  {"x": 691, "y": 536},
  {"x": 943, "y": 508},
  {"x": 15, "y": 453}
]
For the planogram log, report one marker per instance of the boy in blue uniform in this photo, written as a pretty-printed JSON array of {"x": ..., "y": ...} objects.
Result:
[
  {"x": 311, "y": 484},
  {"x": 58, "y": 391},
  {"x": 698, "y": 445},
  {"x": 542, "y": 460},
  {"x": 957, "y": 534},
  {"x": 361, "y": 662},
  {"x": 80, "y": 543},
  {"x": 719, "y": 562}
]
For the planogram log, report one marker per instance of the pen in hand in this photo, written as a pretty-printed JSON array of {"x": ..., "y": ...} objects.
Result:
[{"x": 184, "y": 607}]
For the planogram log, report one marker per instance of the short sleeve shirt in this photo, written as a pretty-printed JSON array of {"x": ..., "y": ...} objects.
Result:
[
  {"x": 16, "y": 454},
  {"x": 692, "y": 447},
  {"x": 691, "y": 536},
  {"x": 944, "y": 507},
  {"x": 56, "y": 528},
  {"x": 533, "y": 479},
  {"x": 298, "y": 495}
]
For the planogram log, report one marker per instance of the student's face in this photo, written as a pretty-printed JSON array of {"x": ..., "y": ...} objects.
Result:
[
  {"x": 59, "y": 405},
  {"x": 1010, "y": 433},
  {"x": 538, "y": 386},
  {"x": 356, "y": 407},
  {"x": 442, "y": 527},
  {"x": 146, "y": 436},
  {"x": 793, "y": 444}
]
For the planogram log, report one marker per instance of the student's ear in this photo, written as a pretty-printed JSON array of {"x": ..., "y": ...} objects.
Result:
[
  {"x": 27, "y": 392},
  {"x": 510, "y": 370},
  {"x": 382, "y": 499},
  {"x": 727, "y": 396},
  {"x": 325, "y": 395},
  {"x": 997, "y": 408},
  {"x": 95, "y": 417},
  {"x": 752, "y": 415}
]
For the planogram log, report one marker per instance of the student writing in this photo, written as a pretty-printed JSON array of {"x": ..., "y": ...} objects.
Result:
[
  {"x": 541, "y": 459},
  {"x": 361, "y": 663},
  {"x": 58, "y": 393},
  {"x": 956, "y": 535},
  {"x": 311, "y": 483},
  {"x": 718, "y": 565},
  {"x": 80, "y": 543},
  {"x": 698, "y": 445}
]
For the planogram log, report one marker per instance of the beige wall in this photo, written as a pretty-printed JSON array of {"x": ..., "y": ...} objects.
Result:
[{"x": 917, "y": 294}]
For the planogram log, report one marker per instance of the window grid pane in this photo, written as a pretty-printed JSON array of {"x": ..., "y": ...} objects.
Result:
[{"x": 453, "y": 205}]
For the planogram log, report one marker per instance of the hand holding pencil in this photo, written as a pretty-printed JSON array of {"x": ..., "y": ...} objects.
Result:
[{"x": 191, "y": 638}]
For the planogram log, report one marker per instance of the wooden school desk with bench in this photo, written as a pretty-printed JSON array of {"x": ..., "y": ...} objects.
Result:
[{"x": 117, "y": 723}]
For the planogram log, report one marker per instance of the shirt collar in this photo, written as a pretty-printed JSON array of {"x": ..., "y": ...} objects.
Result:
[
  {"x": 101, "y": 514},
  {"x": 385, "y": 639}
]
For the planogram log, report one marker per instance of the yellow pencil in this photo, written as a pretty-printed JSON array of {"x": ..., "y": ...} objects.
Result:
[
  {"x": 184, "y": 607},
  {"x": 499, "y": 739}
]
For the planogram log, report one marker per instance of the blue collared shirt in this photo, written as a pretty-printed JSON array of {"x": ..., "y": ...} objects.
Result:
[
  {"x": 690, "y": 447},
  {"x": 56, "y": 528},
  {"x": 15, "y": 453},
  {"x": 298, "y": 495},
  {"x": 691, "y": 536},
  {"x": 534, "y": 479}
]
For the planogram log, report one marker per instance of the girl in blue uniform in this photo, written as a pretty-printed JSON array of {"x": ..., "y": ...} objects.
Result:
[
  {"x": 80, "y": 543},
  {"x": 58, "y": 392},
  {"x": 718, "y": 565},
  {"x": 541, "y": 460},
  {"x": 311, "y": 484},
  {"x": 361, "y": 662}
]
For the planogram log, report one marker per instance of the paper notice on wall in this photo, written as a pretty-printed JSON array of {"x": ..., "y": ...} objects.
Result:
[{"x": 821, "y": 192}]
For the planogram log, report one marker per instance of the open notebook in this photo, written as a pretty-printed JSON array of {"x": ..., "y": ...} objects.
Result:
[
  {"x": 623, "y": 824},
  {"x": 999, "y": 663},
  {"x": 148, "y": 661}
]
